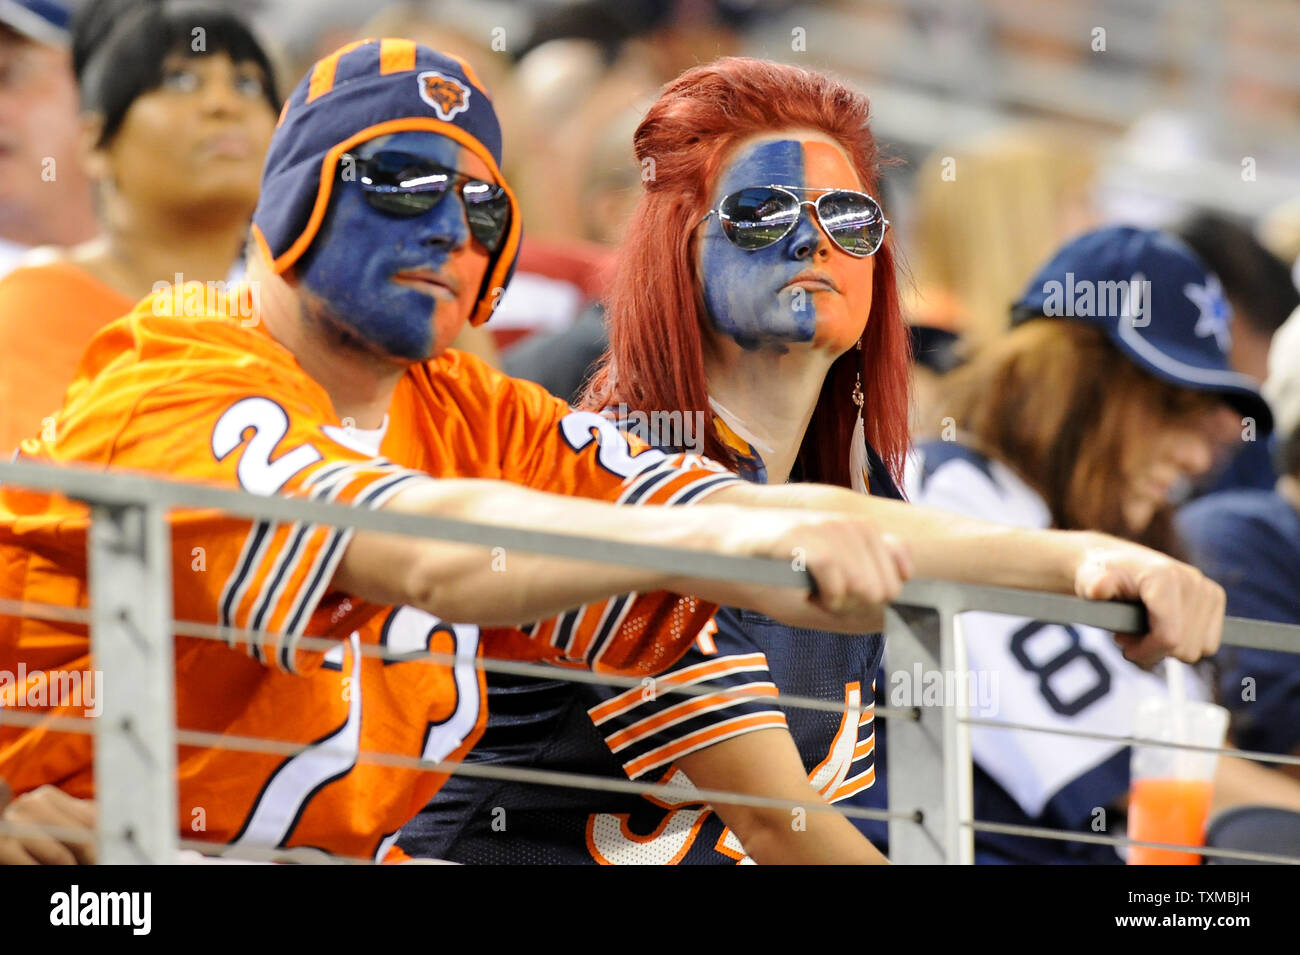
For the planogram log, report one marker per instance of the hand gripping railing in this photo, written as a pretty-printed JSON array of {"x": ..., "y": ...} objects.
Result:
[{"x": 132, "y": 626}]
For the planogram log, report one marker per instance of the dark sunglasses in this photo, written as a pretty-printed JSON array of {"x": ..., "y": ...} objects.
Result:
[
  {"x": 401, "y": 184},
  {"x": 759, "y": 216}
]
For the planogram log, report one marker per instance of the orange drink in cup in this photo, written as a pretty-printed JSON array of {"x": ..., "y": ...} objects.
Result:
[
  {"x": 1172, "y": 787},
  {"x": 1168, "y": 810}
]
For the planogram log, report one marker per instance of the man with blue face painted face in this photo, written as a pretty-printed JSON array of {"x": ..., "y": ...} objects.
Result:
[{"x": 384, "y": 226}]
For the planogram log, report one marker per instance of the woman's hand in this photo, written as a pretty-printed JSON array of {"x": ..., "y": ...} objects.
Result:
[
  {"x": 49, "y": 806},
  {"x": 856, "y": 569},
  {"x": 1185, "y": 608}
]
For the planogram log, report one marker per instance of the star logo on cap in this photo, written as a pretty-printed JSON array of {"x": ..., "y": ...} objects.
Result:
[{"x": 1214, "y": 312}]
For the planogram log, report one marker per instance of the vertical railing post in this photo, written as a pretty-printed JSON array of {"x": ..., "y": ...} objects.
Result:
[
  {"x": 129, "y": 569},
  {"x": 958, "y": 796},
  {"x": 915, "y": 764},
  {"x": 928, "y": 759}
]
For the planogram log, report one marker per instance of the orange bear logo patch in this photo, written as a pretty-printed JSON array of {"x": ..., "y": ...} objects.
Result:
[{"x": 446, "y": 94}]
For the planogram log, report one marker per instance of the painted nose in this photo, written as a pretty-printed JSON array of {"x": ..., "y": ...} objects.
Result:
[
  {"x": 445, "y": 226},
  {"x": 807, "y": 237}
]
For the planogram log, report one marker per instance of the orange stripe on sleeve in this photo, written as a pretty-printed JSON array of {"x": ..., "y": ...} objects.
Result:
[
  {"x": 653, "y": 724},
  {"x": 865, "y": 747},
  {"x": 705, "y": 737},
  {"x": 855, "y": 785},
  {"x": 396, "y": 56},
  {"x": 685, "y": 677}
]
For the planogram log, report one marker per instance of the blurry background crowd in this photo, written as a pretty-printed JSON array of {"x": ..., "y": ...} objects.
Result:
[{"x": 1012, "y": 125}]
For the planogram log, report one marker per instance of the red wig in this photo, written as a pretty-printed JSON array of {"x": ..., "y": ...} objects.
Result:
[{"x": 656, "y": 313}]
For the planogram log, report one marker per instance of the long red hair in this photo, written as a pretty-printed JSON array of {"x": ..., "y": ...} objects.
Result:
[{"x": 655, "y": 312}]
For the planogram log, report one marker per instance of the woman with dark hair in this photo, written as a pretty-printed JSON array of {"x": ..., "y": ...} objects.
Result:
[
  {"x": 1110, "y": 394},
  {"x": 179, "y": 103},
  {"x": 755, "y": 317}
]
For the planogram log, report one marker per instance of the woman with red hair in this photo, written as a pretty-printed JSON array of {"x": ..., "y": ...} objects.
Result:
[{"x": 756, "y": 292}]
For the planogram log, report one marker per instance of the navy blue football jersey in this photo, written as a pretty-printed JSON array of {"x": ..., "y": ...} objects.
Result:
[{"x": 639, "y": 733}]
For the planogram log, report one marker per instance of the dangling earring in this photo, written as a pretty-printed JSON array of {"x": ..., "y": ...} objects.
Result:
[
  {"x": 858, "y": 397},
  {"x": 859, "y": 478}
]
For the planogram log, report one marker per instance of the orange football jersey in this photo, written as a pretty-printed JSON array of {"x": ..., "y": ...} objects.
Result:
[{"x": 215, "y": 401}]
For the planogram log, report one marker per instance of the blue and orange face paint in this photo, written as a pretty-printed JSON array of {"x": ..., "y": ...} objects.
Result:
[
  {"x": 745, "y": 293},
  {"x": 349, "y": 267}
]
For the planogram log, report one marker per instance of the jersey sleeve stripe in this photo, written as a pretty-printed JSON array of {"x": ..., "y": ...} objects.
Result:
[
  {"x": 616, "y": 611},
  {"x": 854, "y": 785},
  {"x": 646, "y": 482},
  {"x": 324, "y": 487},
  {"x": 696, "y": 706},
  {"x": 325, "y": 484},
  {"x": 564, "y": 629},
  {"x": 700, "y": 489},
  {"x": 706, "y": 737},
  {"x": 328, "y": 558},
  {"x": 687, "y": 676},
  {"x": 233, "y": 594},
  {"x": 865, "y": 747}
]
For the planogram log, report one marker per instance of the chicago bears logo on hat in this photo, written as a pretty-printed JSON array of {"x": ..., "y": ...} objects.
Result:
[{"x": 446, "y": 94}]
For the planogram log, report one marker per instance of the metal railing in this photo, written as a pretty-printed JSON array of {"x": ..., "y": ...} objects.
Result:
[{"x": 132, "y": 627}]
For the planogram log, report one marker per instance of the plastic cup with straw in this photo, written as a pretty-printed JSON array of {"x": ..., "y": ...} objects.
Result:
[{"x": 1172, "y": 787}]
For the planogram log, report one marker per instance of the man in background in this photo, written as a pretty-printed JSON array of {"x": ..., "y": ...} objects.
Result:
[
  {"x": 1259, "y": 290},
  {"x": 45, "y": 196},
  {"x": 1249, "y": 541}
]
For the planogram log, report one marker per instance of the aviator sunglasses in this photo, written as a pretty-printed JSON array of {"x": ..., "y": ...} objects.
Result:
[
  {"x": 759, "y": 216},
  {"x": 401, "y": 184}
]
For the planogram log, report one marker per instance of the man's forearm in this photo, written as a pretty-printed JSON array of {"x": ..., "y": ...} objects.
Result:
[
  {"x": 857, "y": 571},
  {"x": 500, "y": 587},
  {"x": 943, "y": 546}
]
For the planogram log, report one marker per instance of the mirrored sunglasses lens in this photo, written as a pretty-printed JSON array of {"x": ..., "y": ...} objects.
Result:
[
  {"x": 754, "y": 218},
  {"x": 488, "y": 209},
  {"x": 855, "y": 222},
  {"x": 402, "y": 185}
]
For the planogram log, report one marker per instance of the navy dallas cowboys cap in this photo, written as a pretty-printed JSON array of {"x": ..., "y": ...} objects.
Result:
[
  {"x": 45, "y": 21},
  {"x": 1156, "y": 302}
]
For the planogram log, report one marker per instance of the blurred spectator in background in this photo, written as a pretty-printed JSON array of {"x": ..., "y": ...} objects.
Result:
[
  {"x": 562, "y": 360},
  {"x": 1279, "y": 230},
  {"x": 985, "y": 214},
  {"x": 1261, "y": 295},
  {"x": 935, "y": 352},
  {"x": 1084, "y": 419},
  {"x": 175, "y": 137},
  {"x": 45, "y": 195},
  {"x": 1249, "y": 541}
]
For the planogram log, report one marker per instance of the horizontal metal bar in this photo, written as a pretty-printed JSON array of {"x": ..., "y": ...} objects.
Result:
[
  {"x": 503, "y": 771},
  {"x": 1063, "y": 835},
  {"x": 1114, "y": 615},
  {"x": 1251, "y": 754},
  {"x": 105, "y": 487},
  {"x": 96, "y": 486},
  {"x": 540, "y": 671}
]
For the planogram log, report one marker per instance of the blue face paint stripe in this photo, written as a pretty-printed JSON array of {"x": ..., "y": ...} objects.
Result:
[
  {"x": 349, "y": 265},
  {"x": 742, "y": 289}
]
